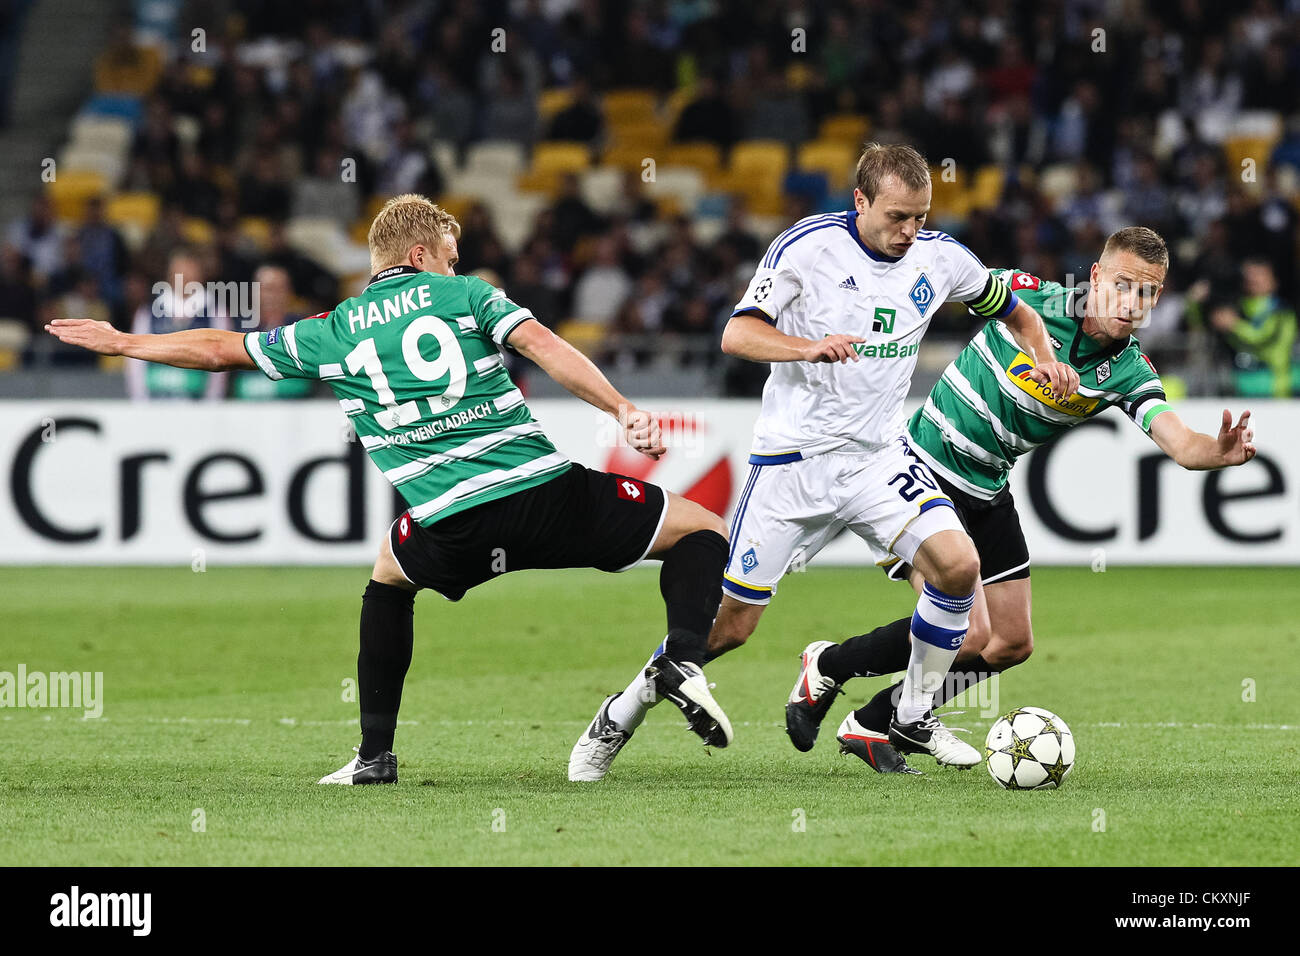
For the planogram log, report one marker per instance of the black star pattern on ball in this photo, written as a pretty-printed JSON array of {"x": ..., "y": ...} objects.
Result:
[
  {"x": 1019, "y": 749},
  {"x": 763, "y": 290},
  {"x": 1056, "y": 772}
]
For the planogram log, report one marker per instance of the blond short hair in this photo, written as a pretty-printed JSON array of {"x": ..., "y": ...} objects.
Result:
[
  {"x": 405, "y": 221},
  {"x": 1144, "y": 243},
  {"x": 879, "y": 161}
]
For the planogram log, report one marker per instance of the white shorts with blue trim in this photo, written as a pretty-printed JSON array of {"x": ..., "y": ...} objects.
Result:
[{"x": 792, "y": 507}]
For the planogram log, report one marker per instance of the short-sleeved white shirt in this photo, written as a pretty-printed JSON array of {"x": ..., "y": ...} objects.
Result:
[{"x": 818, "y": 279}]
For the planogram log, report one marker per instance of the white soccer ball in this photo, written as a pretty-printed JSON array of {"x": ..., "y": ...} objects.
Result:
[{"x": 1029, "y": 749}]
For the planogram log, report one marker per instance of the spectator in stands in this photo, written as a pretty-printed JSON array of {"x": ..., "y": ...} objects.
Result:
[
  {"x": 325, "y": 194},
  {"x": 480, "y": 246},
  {"x": 264, "y": 191},
  {"x": 408, "y": 168},
  {"x": 156, "y": 141},
  {"x": 603, "y": 286},
  {"x": 274, "y": 295},
  {"x": 181, "y": 300},
  {"x": 17, "y": 293},
  {"x": 708, "y": 117},
  {"x": 1262, "y": 330},
  {"x": 511, "y": 112},
  {"x": 103, "y": 253},
  {"x": 526, "y": 285},
  {"x": 580, "y": 121},
  {"x": 307, "y": 277},
  {"x": 572, "y": 219},
  {"x": 39, "y": 238}
]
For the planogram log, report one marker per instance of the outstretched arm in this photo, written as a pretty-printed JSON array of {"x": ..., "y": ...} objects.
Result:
[
  {"x": 1196, "y": 451},
  {"x": 580, "y": 377},
  {"x": 211, "y": 350}
]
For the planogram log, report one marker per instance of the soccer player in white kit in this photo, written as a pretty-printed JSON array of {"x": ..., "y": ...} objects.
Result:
[{"x": 838, "y": 305}]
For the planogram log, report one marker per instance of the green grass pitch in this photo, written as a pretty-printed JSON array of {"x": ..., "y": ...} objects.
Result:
[{"x": 224, "y": 693}]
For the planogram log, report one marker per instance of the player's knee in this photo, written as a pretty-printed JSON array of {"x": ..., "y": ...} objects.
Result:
[
  {"x": 1004, "y": 651},
  {"x": 960, "y": 573},
  {"x": 712, "y": 522}
]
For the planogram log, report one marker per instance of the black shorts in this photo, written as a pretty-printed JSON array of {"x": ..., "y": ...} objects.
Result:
[
  {"x": 994, "y": 526},
  {"x": 582, "y": 519}
]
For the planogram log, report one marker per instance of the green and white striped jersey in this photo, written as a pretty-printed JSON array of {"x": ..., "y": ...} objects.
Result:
[
  {"x": 985, "y": 412},
  {"x": 415, "y": 362}
]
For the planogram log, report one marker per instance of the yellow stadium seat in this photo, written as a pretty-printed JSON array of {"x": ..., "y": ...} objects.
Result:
[
  {"x": 455, "y": 204},
  {"x": 551, "y": 160},
  {"x": 1238, "y": 149},
  {"x": 627, "y": 156},
  {"x": 626, "y": 106},
  {"x": 706, "y": 157},
  {"x": 557, "y": 156},
  {"x": 135, "y": 75},
  {"x": 9, "y": 359},
  {"x": 677, "y": 101},
  {"x": 551, "y": 101},
  {"x": 846, "y": 128},
  {"x": 255, "y": 228},
  {"x": 70, "y": 190},
  {"x": 987, "y": 189},
  {"x": 650, "y": 135},
  {"x": 140, "y": 209},
  {"x": 949, "y": 200},
  {"x": 586, "y": 337},
  {"x": 197, "y": 231},
  {"x": 757, "y": 168},
  {"x": 834, "y": 159}
]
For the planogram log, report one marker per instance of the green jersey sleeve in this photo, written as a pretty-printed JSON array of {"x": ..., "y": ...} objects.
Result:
[
  {"x": 494, "y": 314},
  {"x": 290, "y": 351}
]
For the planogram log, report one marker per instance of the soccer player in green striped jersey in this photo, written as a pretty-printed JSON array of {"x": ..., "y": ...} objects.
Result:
[
  {"x": 415, "y": 361},
  {"x": 980, "y": 417}
]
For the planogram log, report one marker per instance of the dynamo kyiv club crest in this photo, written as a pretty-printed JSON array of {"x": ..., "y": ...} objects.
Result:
[
  {"x": 749, "y": 560},
  {"x": 922, "y": 294}
]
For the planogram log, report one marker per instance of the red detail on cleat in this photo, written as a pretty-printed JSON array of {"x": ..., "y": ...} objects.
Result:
[{"x": 871, "y": 757}]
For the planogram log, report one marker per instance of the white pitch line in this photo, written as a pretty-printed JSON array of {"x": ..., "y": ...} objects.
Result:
[{"x": 503, "y": 722}]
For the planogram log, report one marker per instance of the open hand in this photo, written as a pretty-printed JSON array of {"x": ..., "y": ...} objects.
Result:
[
  {"x": 97, "y": 336},
  {"x": 1236, "y": 443}
]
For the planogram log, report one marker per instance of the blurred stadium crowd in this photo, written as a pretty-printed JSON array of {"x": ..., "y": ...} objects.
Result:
[{"x": 619, "y": 167}]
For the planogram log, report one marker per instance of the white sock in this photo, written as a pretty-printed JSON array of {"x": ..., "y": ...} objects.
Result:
[
  {"x": 630, "y": 707},
  {"x": 939, "y": 626}
]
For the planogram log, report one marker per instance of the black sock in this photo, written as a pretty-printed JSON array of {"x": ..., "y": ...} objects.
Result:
[
  {"x": 960, "y": 681},
  {"x": 385, "y": 656},
  {"x": 883, "y": 651},
  {"x": 877, "y": 712},
  {"x": 691, "y": 583}
]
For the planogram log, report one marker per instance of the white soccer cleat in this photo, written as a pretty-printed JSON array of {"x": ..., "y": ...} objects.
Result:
[
  {"x": 382, "y": 769},
  {"x": 929, "y": 736},
  {"x": 598, "y": 746}
]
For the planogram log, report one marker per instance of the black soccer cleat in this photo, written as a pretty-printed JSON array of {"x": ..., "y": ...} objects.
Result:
[
  {"x": 872, "y": 747},
  {"x": 685, "y": 686},
  {"x": 811, "y": 698},
  {"x": 382, "y": 769}
]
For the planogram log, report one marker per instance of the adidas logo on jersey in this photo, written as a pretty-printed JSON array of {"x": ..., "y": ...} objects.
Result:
[{"x": 850, "y": 285}]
